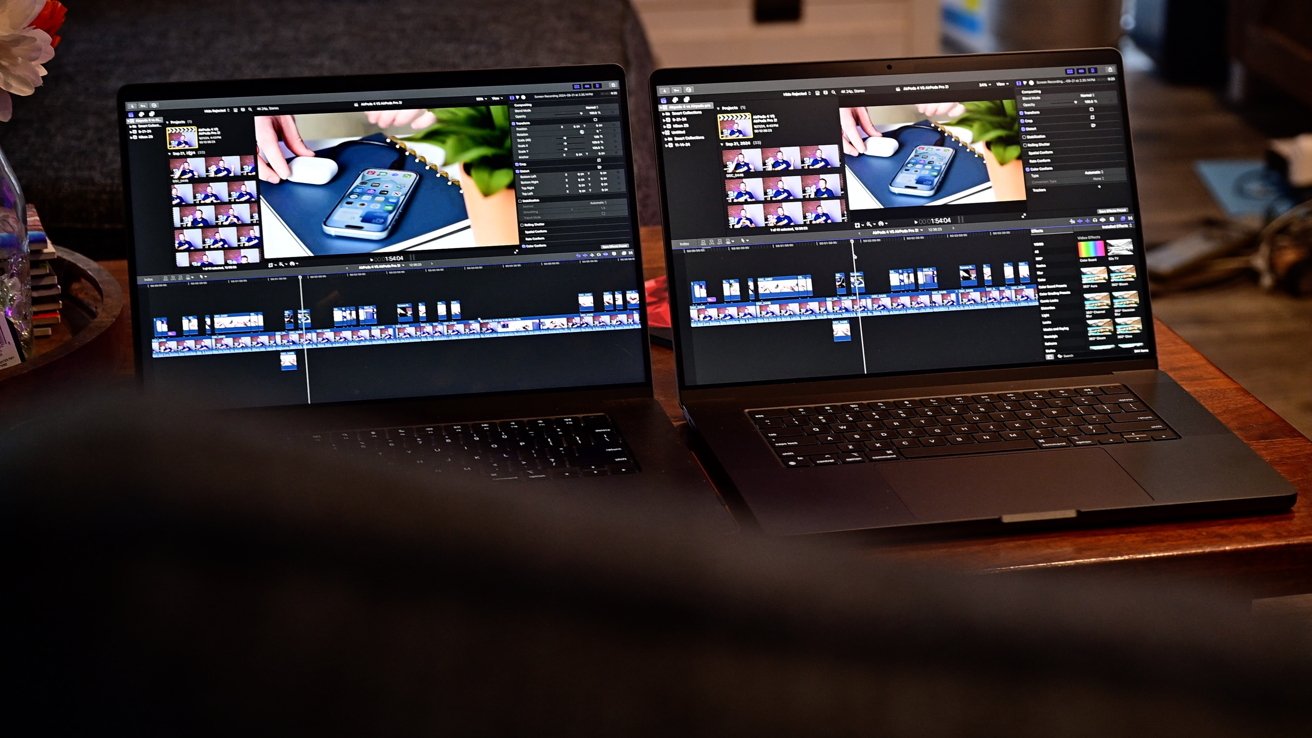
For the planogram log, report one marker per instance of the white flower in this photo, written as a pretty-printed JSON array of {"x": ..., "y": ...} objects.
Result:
[{"x": 23, "y": 51}]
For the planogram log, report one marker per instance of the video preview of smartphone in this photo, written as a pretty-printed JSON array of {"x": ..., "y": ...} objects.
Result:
[
  {"x": 371, "y": 206},
  {"x": 923, "y": 171}
]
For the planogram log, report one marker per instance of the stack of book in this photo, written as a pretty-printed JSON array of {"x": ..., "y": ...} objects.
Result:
[{"x": 47, "y": 297}]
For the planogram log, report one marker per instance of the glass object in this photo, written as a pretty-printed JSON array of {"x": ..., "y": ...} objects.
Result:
[{"x": 15, "y": 269}]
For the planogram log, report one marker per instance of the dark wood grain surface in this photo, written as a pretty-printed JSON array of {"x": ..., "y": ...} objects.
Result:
[{"x": 1261, "y": 556}]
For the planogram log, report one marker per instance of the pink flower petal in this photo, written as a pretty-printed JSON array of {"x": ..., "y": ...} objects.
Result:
[{"x": 16, "y": 15}]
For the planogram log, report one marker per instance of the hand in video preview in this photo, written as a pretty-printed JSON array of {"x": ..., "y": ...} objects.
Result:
[
  {"x": 269, "y": 131},
  {"x": 856, "y": 129},
  {"x": 417, "y": 119},
  {"x": 941, "y": 111}
]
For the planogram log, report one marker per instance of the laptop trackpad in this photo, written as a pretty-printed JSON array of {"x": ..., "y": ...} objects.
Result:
[{"x": 1006, "y": 484}]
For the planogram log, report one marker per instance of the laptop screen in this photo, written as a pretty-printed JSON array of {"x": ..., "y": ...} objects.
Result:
[
  {"x": 320, "y": 241},
  {"x": 872, "y": 218}
]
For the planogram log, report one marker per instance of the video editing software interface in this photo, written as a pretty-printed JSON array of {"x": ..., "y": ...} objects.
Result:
[
  {"x": 895, "y": 223},
  {"x": 307, "y": 248}
]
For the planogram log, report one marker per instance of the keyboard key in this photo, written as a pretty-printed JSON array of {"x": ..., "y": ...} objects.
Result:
[
  {"x": 1132, "y": 417},
  {"x": 975, "y": 448},
  {"x": 822, "y": 450},
  {"x": 1153, "y": 425},
  {"x": 795, "y": 442}
]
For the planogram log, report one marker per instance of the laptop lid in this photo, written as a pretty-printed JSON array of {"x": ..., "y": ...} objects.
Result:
[
  {"x": 433, "y": 235},
  {"x": 901, "y": 217}
]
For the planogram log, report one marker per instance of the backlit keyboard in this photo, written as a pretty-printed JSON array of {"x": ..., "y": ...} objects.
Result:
[
  {"x": 919, "y": 427},
  {"x": 535, "y": 448}
]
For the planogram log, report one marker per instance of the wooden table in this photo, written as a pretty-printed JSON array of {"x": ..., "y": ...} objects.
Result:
[{"x": 1260, "y": 556}]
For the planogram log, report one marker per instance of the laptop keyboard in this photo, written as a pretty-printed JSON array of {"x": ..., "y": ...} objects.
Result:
[
  {"x": 920, "y": 427},
  {"x": 535, "y": 448}
]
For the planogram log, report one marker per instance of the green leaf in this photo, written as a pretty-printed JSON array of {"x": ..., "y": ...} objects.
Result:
[
  {"x": 472, "y": 153},
  {"x": 476, "y": 135},
  {"x": 1007, "y": 153},
  {"x": 990, "y": 135},
  {"x": 992, "y": 122},
  {"x": 490, "y": 180}
]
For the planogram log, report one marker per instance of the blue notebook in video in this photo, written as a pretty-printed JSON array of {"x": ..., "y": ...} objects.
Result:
[
  {"x": 435, "y": 208},
  {"x": 966, "y": 171}
]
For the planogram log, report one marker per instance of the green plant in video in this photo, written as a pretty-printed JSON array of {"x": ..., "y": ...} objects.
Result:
[
  {"x": 995, "y": 124},
  {"x": 479, "y": 139}
]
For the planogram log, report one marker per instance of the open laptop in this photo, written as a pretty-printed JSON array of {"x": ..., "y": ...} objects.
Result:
[
  {"x": 881, "y": 323},
  {"x": 487, "y": 327}
]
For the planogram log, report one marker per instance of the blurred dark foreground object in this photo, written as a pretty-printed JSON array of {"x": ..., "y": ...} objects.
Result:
[{"x": 170, "y": 574}]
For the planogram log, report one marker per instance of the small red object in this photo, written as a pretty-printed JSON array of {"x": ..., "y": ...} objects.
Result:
[{"x": 50, "y": 19}]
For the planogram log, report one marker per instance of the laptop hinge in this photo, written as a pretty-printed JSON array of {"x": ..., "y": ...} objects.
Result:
[
  {"x": 1031, "y": 517},
  {"x": 903, "y": 384}
]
